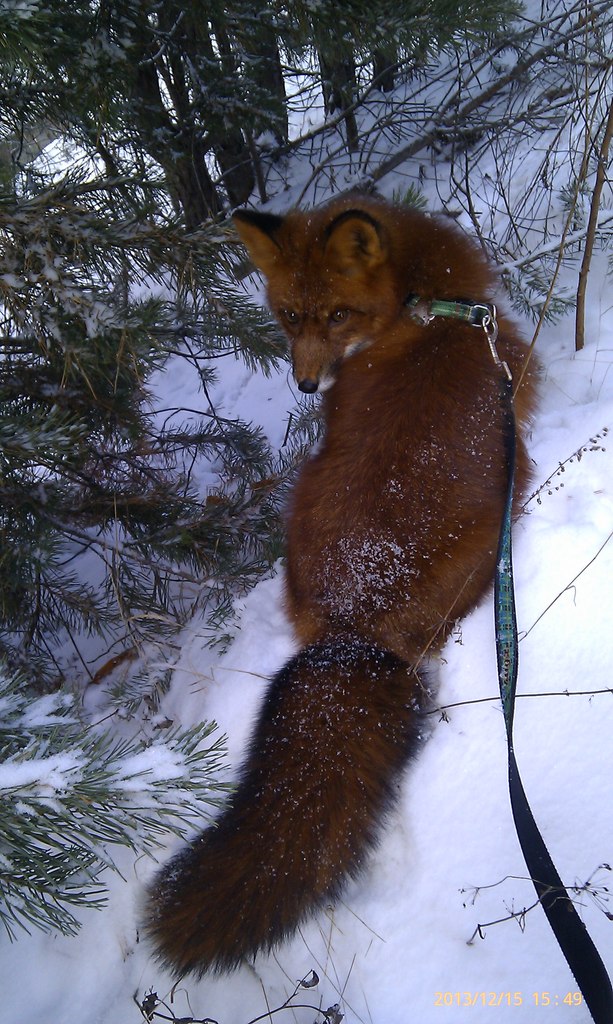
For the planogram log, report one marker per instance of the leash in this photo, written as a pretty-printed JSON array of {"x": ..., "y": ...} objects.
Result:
[{"x": 572, "y": 935}]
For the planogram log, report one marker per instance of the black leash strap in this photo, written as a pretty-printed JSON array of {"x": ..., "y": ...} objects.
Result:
[{"x": 572, "y": 935}]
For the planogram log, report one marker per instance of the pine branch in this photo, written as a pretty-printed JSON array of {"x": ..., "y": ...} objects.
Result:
[{"x": 72, "y": 792}]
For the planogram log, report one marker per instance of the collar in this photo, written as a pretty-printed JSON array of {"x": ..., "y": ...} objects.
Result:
[
  {"x": 475, "y": 313},
  {"x": 478, "y": 314}
]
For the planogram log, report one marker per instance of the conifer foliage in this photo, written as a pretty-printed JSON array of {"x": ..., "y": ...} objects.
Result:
[
  {"x": 98, "y": 514},
  {"x": 108, "y": 538},
  {"x": 73, "y": 794}
]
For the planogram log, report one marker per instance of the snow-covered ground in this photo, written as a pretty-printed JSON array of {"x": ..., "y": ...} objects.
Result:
[{"x": 398, "y": 948}]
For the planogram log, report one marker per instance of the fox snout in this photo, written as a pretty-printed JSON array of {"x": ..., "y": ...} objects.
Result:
[{"x": 314, "y": 366}]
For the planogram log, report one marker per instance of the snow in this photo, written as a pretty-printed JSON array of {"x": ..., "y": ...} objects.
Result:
[
  {"x": 47, "y": 774},
  {"x": 449, "y": 860},
  {"x": 435, "y": 929}
]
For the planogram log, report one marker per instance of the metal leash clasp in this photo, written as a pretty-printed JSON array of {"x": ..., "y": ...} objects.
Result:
[{"x": 490, "y": 326}]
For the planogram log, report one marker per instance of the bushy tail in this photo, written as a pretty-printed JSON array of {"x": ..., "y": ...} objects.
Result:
[{"x": 337, "y": 726}]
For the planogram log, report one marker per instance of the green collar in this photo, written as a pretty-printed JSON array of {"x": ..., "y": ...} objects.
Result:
[
  {"x": 475, "y": 313},
  {"x": 478, "y": 314}
]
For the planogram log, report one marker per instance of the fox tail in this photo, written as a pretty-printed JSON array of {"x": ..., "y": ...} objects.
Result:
[{"x": 338, "y": 724}]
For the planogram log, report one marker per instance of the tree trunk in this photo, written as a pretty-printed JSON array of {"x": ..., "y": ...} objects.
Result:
[
  {"x": 384, "y": 65},
  {"x": 338, "y": 84},
  {"x": 266, "y": 73},
  {"x": 230, "y": 147}
]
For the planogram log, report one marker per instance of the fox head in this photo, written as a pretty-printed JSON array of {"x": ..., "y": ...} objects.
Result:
[{"x": 330, "y": 283}]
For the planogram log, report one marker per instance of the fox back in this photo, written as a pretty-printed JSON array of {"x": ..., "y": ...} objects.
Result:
[{"x": 391, "y": 536}]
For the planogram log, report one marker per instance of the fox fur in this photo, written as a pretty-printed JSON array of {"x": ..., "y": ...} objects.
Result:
[{"x": 391, "y": 536}]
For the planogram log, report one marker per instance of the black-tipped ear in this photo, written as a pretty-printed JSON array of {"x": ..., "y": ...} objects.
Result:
[
  {"x": 355, "y": 242},
  {"x": 258, "y": 233}
]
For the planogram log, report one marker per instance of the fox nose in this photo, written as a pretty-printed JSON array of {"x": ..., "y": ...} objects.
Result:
[{"x": 308, "y": 386}]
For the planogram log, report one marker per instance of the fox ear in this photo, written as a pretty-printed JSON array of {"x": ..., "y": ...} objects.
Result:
[
  {"x": 355, "y": 242},
  {"x": 257, "y": 231}
]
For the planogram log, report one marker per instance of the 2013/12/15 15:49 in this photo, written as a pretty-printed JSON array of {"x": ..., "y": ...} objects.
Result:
[{"x": 506, "y": 999}]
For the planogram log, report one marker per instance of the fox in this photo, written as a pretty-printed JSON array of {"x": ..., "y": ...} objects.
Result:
[{"x": 392, "y": 531}]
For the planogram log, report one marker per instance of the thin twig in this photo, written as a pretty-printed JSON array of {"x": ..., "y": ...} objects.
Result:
[
  {"x": 442, "y": 708},
  {"x": 601, "y": 173}
]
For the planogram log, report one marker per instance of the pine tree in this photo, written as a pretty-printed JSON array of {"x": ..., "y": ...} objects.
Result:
[
  {"x": 367, "y": 47},
  {"x": 107, "y": 276},
  {"x": 102, "y": 527},
  {"x": 86, "y": 472}
]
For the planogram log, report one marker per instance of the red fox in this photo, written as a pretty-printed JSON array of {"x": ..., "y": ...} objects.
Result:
[{"x": 391, "y": 536}]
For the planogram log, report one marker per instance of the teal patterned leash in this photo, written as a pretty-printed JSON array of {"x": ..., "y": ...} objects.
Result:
[{"x": 572, "y": 935}]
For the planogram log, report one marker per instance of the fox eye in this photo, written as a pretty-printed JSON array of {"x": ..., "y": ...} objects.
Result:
[
  {"x": 339, "y": 315},
  {"x": 290, "y": 316}
]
